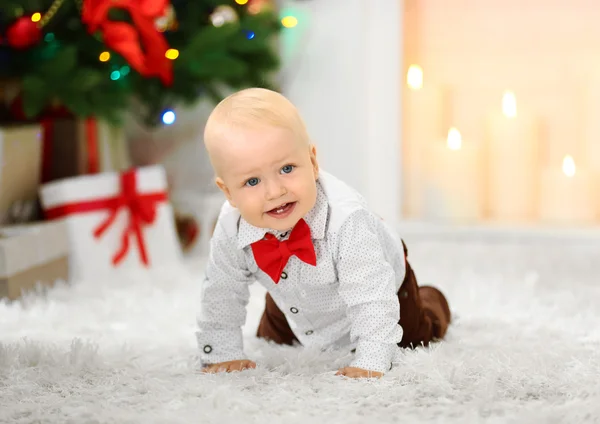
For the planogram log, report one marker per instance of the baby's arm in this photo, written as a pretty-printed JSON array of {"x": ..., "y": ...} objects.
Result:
[
  {"x": 224, "y": 297},
  {"x": 368, "y": 286}
]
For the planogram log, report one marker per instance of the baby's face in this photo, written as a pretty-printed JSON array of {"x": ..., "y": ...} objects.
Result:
[{"x": 269, "y": 176}]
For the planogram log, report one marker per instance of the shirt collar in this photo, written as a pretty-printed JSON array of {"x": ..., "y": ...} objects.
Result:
[{"x": 316, "y": 219}]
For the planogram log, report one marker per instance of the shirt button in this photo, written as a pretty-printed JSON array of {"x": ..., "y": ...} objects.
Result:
[
  {"x": 207, "y": 349},
  {"x": 293, "y": 310},
  {"x": 309, "y": 332},
  {"x": 284, "y": 275},
  {"x": 403, "y": 294}
]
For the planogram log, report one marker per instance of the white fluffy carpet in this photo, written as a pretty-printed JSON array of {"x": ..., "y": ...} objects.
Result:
[{"x": 525, "y": 347}]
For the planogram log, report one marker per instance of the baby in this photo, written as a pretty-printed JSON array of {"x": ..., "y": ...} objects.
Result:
[{"x": 336, "y": 275}]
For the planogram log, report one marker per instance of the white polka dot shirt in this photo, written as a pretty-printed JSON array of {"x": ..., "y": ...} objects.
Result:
[{"x": 349, "y": 299}]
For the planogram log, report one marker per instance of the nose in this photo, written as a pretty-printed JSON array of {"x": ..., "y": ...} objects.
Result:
[{"x": 274, "y": 189}]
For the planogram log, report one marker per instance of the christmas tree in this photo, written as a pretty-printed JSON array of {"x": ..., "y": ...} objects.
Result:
[{"x": 104, "y": 57}]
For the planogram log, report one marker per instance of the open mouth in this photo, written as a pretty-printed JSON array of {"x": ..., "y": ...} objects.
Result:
[{"x": 282, "y": 211}]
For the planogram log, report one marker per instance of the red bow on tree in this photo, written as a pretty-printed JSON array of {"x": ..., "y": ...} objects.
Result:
[{"x": 141, "y": 44}]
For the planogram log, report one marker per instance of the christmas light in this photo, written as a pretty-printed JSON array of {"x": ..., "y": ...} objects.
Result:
[
  {"x": 249, "y": 34},
  {"x": 125, "y": 70},
  {"x": 48, "y": 38},
  {"x": 36, "y": 17},
  {"x": 289, "y": 21},
  {"x": 223, "y": 14},
  {"x": 168, "y": 22},
  {"x": 172, "y": 54},
  {"x": 241, "y": 1},
  {"x": 104, "y": 57},
  {"x": 115, "y": 75},
  {"x": 168, "y": 117}
]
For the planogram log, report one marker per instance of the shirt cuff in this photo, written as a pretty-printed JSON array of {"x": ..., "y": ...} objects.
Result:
[
  {"x": 218, "y": 346},
  {"x": 374, "y": 356}
]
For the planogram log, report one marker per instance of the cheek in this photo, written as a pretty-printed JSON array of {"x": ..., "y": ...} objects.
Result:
[
  {"x": 304, "y": 187},
  {"x": 249, "y": 200},
  {"x": 237, "y": 197}
]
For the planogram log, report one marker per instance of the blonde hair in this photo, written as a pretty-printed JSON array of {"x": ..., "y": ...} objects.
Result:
[{"x": 254, "y": 108}]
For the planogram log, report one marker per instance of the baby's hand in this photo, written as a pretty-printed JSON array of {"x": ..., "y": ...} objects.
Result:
[
  {"x": 353, "y": 372},
  {"x": 230, "y": 366}
]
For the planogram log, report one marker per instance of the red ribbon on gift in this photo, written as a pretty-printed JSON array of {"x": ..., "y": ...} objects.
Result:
[
  {"x": 91, "y": 138},
  {"x": 47, "y": 118},
  {"x": 141, "y": 207}
]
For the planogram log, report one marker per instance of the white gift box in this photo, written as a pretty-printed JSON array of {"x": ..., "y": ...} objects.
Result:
[
  {"x": 111, "y": 213},
  {"x": 32, "y": 254}
]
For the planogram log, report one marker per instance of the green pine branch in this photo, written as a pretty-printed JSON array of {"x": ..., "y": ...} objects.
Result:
[{"x": 65, "y": 68}]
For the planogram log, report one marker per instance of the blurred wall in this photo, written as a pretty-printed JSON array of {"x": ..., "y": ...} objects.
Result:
[{"x": 342, "y": 68}]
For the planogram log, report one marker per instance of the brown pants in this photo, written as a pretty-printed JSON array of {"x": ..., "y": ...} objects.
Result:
[{"x": 424, "y": 315}]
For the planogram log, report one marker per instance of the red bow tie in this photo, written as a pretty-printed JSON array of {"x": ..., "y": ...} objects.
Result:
[{"x": 272, "y": 255}]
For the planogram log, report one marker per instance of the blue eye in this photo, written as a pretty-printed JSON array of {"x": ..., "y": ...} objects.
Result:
[
  {"x": 252, "y": 182},
  {"x": 287, "y": 169}
]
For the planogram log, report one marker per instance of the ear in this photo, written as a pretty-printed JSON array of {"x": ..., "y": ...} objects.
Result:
[
  {"x": 313, "y": 160},
  {"x": 221, "y": 184}
]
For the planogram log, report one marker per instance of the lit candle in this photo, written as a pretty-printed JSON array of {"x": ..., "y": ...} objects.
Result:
[
  {"x": 423, "y": 117},
  {"x": 454, "y": 180},
  {"x": 513, "y": 162},
  {"x": 568, "y": 195}
]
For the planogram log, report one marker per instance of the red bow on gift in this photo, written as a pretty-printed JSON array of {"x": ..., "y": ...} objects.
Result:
[
  {"x": 148, "y": 58},
  {"x": 141, "y": 207},
  {"x": 272, "y": 255}
]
